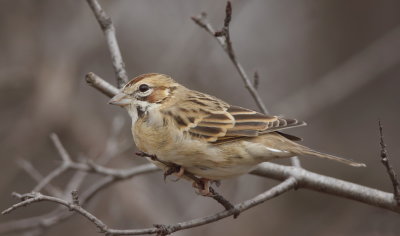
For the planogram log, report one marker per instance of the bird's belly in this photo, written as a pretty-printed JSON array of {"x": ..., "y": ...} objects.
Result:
[
  {"x": 207, "y": 160},
  {"x": 220, "y": 172}
]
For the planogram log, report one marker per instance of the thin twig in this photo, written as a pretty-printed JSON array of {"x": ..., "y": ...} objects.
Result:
[
  {"x": 103, "y": 86},
  {"x": 60, "y": 148},
  {"x": 224, "y": 39},
  {"x": 112, "y": 43},
  {"x": 388, "y": 166}
]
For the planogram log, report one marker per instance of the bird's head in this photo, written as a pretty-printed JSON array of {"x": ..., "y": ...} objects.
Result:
[{"x": 145, "y": 92}]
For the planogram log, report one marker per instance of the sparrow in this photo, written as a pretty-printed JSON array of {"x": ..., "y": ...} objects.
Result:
[{"x": 203, "y": 134}]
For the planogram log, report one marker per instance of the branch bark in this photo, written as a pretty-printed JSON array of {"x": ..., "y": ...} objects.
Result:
[{"x": 108, "y": 29}]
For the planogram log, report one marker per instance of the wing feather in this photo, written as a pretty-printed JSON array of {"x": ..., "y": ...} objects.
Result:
[{"x": 205, "y": 117}]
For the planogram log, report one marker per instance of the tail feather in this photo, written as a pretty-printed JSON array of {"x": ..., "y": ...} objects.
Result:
[{"x": 307, "y": 151}]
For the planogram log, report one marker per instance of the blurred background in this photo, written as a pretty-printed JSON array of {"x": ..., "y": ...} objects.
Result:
[{"x": 334, "y": 64}]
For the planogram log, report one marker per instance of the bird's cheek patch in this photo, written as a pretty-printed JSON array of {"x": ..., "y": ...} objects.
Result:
[{"x": 158, "y": 95}]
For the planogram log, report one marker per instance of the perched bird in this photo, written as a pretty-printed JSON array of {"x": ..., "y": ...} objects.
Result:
[{"x": 203, "y": 134}]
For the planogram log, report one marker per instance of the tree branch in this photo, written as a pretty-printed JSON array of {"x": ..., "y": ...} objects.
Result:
[
  {"x": 304, "y": 179},
  {"x": 332, "y": 186},
  {"x": 389, "y": 168},
  {"x": 27, "y": 199},
  {"x": 109, "y": 32},
  {"x": 103, "y": 86},
  {"x": 58, "y": 215},
  {"x": 224, "y": 40}
]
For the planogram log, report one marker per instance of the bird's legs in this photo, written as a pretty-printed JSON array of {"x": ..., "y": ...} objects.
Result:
[{"x": 202, "y": 184}]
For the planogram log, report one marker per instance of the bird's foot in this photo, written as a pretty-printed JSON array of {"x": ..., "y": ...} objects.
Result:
[
  {"x": 177, "y": 170},
  {"x": 203, "y": 186}
]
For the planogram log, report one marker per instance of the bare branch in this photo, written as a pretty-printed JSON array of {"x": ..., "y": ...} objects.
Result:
[
  {"x": 224, "y": 39},
  {"x": 320, "y": 183},
  {"x": 389, "y": 168},
  {"x": 168, "y": 229},
  {"x": 103, "y": 86},
  {"x": 109, "y": 32},
  {"x": 58, "y": 215},
  {"x": 30, "y": 198},
  {"x": 60, "y": 148}
]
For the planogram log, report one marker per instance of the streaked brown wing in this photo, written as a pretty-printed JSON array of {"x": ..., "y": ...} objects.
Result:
[{"x": 208, "y": 118}]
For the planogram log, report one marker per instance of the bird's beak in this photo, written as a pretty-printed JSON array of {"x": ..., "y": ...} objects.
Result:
[{"x": 120, "y": 99}]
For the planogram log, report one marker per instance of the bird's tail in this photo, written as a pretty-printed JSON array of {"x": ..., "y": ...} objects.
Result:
[{"x": 310, "y": 152}]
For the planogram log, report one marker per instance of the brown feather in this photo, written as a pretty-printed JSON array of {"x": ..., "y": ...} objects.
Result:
[
  {"x": 211, "y": 119},
  {"x": 209, "y": 131},
  {"x": 139, "y": 78}
]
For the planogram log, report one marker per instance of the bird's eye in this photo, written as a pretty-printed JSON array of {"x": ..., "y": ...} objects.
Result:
[{"x": 143, "y": 88}]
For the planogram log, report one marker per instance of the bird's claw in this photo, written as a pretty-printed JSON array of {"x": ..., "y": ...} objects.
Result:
[
  {"x": 174, "y": 169},
  {"x": 203, "y": 187}
]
